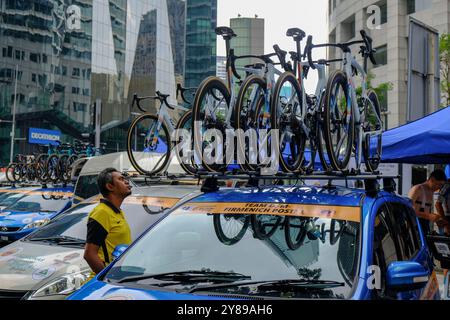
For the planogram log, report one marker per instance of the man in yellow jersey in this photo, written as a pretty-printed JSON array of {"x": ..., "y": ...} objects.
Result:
[{"x": 107, "y": 226}]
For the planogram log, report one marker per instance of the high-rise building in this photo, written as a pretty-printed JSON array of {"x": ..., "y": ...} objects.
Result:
[
  {"x": 347, "y": 17},
  {"x": 391, "y": 40},
  {"x": 221, "y": 70},
  {"x": 73, "y": 53},
  {"x": 201, "y": 21},
  {"x": 249, "y": 40}
]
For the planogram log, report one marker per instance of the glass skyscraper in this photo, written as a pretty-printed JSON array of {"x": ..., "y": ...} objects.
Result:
[
  {"x": 201, "y": 21},
  {"x": 72, "y": 53}
]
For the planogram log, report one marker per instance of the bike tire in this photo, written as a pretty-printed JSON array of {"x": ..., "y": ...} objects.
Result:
[
  {"x": 321, "y": 145},
  {"x": 40, "y": 167},
  {"x": 51, "y": 167},
  {"x": 10, "y": 172},
  {"x": 140, "y": 124},
  {"x": 185, "y": 122},
  {"x": 246, "y": 115},
  {"x": 68, "y": 174},
  {"x": 332, "y": 122},
  {"x": 216, "y": 88},
  {"x": 229, "y": 240},
  {"x": 292, "y": 162},
  {"x": 372, "y": 161},
  {"x": 336, "y": 235}
]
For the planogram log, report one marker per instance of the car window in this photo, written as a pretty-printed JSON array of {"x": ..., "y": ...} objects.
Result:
[
  {"x": 39, "y": 203},
  {"x": 405, "y": 225},
  {"x": 87, "y": 187},
  {"x": 385, "y": 248},
  {"x": 10, "y": 198}
]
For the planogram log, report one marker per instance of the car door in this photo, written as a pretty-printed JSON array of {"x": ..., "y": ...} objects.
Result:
[
  {"x": 405, "y": 229},
  {"x": 385, "y": 250}
]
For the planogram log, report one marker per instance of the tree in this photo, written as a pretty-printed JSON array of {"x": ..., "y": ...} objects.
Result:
[{"x": 444, "y": 49}]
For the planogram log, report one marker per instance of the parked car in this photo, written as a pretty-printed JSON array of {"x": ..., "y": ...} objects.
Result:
[
  {"x": 49, "y": 264},
  {"x": 276, "y": 242},
  {"x": 32, "y": 211},
  {"x": 10, "y": 195}
]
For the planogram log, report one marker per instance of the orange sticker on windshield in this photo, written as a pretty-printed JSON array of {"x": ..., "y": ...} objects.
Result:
[{"x": 276, "y": 209}]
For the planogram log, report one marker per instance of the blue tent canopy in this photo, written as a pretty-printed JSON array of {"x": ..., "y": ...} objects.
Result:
[{"x": 424, "y": 141}]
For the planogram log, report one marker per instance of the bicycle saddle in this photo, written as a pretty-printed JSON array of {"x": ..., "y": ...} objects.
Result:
[
  {"x": 225, "y": 32},
  {"x": 296, "y": 33}
]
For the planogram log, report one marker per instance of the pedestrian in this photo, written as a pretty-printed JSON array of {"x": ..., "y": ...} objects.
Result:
[
  {"x": 422, "y": 199},
  {"x": 107, "y": 226},
  {"x": 443, "y": 208}
]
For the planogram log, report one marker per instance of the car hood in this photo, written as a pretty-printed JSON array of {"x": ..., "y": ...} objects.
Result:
[
  {"x": 28, "y": 266},
  {"x": 98, "y": 290},
  {"x": 18, "y": 219}
]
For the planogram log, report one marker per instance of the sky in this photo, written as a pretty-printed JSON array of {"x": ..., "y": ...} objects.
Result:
[{"x": 280, "y": 15}]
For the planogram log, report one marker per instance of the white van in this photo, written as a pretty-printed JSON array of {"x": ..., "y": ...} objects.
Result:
[{"x": 86, "y": 170}]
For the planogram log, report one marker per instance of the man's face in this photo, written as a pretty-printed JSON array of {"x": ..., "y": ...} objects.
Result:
[
  {"x": 120, "y": 186},
  {"x": 437, "y": 184}
]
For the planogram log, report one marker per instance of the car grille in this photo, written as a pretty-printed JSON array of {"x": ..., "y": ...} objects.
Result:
[
  {"x": 9, "y": 229},
  {"x": 12, "y": 295}
]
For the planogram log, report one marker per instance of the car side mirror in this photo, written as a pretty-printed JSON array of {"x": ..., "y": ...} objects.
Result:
[
  {"x": 119, "y": 250},
  {"x": 406, "y": 276}
]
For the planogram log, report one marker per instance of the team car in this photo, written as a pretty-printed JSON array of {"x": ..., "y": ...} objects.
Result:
[
  {"x": 32, "y": 211},
  {"x": 49, "y": 263},
  {"x": 10, "y": 195},
  {"x": 276, "y": 242}
]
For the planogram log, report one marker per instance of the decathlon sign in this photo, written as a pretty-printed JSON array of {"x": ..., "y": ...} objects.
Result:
[{"x": 43, "y": 136}]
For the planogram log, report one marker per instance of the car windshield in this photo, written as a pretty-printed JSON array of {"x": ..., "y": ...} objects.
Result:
[
  {"x": 70, "y": 224},
  {"x": 39, "y": 203},
  {"x": 8, "y": 199},
  {"x": 309, "y": 247}
]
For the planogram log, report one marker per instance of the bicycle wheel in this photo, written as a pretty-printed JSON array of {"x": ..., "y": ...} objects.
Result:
[
  {"x": 210, "y": 110},
  {"x": 372, "y": 145},
  {"x": 187, "y": 161},
  {"x": 264, "y": 226},
  {"x": 320, "y": 142},
  {"x": 295, "y": 231},
  {"x": 51, "y": 167},
  {"x": 338, "y": 121},
  {"x": 31, "y": 172},
  {"x": 148, "y": 145},
  {"x": 10, "y": 172},
  {"x": 251, "y": 100},
  {"x": 230, "y": 228},
  {"x": 286, "y": 116},
  {"x": 67, "y": 173},
  {"x": 40, "y": 167}
]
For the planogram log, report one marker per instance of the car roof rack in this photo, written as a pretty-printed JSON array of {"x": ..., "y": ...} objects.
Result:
[{"x": 371, "y": 181}]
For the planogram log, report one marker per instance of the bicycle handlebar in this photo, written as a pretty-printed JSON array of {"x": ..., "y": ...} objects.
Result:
[
  {"x": 369, "y": 48},
  {"x": 181, "y": 91},
  {"x": 308, "y": 50}
]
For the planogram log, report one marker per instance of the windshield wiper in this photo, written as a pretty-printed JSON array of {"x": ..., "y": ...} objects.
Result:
[
  {"x": 189, "y": 276},
  {"x": 60, "y": 240},
  {"x": 288, "y": 284}
]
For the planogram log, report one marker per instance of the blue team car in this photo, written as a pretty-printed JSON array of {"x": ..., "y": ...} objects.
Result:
[
  {"x": 288, "y": 242},
  {"x": 34, "y": 209}
]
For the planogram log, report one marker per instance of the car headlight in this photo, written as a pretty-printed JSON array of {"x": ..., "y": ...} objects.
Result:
[
  {"x": 36, "y": 224},
  {"x": 64, "y": 285}
]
